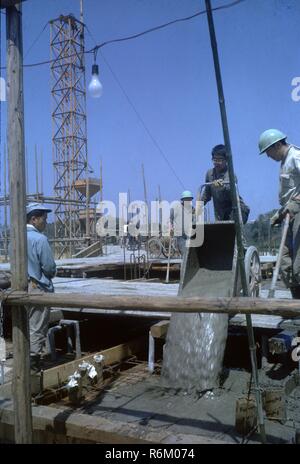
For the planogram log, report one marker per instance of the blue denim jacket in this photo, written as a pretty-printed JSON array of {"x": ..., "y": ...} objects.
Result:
[{"x": 41, "y": 264}]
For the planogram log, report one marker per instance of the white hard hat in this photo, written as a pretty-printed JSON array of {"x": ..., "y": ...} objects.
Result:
[{"x": 37, "y": 207}]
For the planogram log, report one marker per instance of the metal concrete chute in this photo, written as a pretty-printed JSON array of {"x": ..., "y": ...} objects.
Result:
[
  {"x": 195, "y": 360},
  {"x": 209, "y": 270}
]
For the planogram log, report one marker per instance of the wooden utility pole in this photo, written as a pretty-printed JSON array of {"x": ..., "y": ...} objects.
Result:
[{"x": 17, "y": 184}]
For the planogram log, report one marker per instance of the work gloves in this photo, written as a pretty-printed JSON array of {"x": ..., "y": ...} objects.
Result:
[
  {"x": 218, "y": 183},
  {"x": 291, "y": 207}
]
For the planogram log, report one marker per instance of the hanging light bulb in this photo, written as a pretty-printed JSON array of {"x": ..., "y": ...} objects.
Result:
[{"x": 95, "y": 86}]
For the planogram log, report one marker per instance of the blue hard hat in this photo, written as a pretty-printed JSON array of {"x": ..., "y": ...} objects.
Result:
[
  {"x": 37, "y": 207},
  {"x": 187, "y": 194}
]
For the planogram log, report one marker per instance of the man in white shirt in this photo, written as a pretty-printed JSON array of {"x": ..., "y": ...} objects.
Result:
[{"x": 274, "y": 143}]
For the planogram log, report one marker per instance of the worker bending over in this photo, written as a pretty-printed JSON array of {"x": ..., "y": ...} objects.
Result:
[{"x": 274, "y": 143}]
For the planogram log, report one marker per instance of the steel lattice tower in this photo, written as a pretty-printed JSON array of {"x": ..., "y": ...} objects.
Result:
[{"x": 69, "y": 137}]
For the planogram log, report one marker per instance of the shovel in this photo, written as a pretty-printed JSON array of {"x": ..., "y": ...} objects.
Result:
[{"x": 279, "y": 257}]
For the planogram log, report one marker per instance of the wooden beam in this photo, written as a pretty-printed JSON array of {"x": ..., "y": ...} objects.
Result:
[
  {"x": 54, "y": 425},
  {"x": 18, "y": 252},
  {"x": 286, "y": 308},
  {"x": 160, "y": 329},
  {"x": 59, "y": 374}
]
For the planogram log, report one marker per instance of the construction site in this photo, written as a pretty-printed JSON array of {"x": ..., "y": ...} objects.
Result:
[{"x": 147, "y": 342}]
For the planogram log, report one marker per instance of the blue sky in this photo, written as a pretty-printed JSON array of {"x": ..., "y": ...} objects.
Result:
[{"x": 169, "y": 78}]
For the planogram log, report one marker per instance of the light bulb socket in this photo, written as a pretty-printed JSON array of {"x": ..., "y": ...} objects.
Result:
[{"x": 95, "y": 69}]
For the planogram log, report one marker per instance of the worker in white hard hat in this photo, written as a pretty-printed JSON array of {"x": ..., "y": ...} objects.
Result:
[
  {"x": 41, "y": 270},
  {"x": 217, "y": 188},
  {"x": 274, "y": 143}
]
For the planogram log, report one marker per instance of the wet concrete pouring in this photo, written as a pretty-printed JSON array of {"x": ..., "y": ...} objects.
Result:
[
  {"x": 136, "y": 397},
  {"x": 131, "y": 395}
]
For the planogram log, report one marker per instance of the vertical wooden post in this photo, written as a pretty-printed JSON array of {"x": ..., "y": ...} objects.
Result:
[{"x": 17, "y": 183}]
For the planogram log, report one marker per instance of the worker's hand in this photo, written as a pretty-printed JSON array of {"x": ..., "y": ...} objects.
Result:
[
  {"x": 274, "y": 220},
  {"x": 292, "y": 207},
  {"x": 218, "y": 183},
  {"x": 278, "y": 216}
]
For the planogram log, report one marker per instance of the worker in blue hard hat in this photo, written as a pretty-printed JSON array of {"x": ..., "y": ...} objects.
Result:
[
  {"x": 217, "y": 188},
  {"x": 274, "y": 143},
  {"x": 41, "y": 270}
]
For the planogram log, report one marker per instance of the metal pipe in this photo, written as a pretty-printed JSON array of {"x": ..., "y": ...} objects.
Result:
[
  {"x": 50, "y": 342},
  {"x": 151, "y": 353},
  {"x": 75, "y": 324},
  {"x": 1, "y": 372},
  {"x": 238, "y": 226}
]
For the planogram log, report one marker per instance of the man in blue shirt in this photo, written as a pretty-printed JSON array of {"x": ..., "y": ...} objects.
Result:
[{"x": 41, "y": 269}]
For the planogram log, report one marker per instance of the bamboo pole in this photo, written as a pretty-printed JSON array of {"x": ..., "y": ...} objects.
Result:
[
  {"x": 17, "y": 183},
  {"x": 286, "y": 308},
  {"x": 235, "y": 209}
]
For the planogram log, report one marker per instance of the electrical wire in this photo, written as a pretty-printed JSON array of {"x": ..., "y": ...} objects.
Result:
[
  {"x": 143, "y": 122},
  {"x": 137, "y": 114},
  {"x": 162, "y": 26},
  {"x": 140, "y": 34},
  {"x": 37, "y": 38}
]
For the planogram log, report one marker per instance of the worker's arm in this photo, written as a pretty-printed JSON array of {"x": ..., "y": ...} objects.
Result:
[
  {"x": 206, "y": 194},
  {"x": 47, "y": 262},
  {"x": 293, "y": 205}
]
